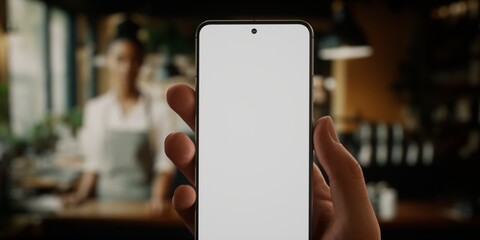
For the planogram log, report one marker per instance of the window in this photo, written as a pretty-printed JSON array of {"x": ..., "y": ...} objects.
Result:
[
  {"x": 26, "y": 56},
  {"x": 38, "y": 63},
  {"x": 58, "y": 64}
]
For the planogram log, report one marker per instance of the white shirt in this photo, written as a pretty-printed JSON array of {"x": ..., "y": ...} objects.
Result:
[{"x": 104, "y": 113}]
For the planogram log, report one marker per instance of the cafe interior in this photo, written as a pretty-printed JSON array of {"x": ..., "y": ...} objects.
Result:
[{"x": 401, "y": 80}]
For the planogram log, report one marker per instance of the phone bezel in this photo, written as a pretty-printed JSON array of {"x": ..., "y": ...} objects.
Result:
[{"x": 197, "y": 90}]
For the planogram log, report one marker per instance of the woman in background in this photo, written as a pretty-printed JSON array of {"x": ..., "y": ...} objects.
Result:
[{"x": 123, "y": 134}]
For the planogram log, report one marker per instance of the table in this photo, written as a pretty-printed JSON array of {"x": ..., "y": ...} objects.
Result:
[
  {"x": 131, "y": 220},
  {"x": 114, "y": 219},
  {"x": 429, "y": 219}
]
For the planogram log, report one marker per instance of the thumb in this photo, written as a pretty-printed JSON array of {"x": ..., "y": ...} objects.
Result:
[{"x": 349, "y": 193}]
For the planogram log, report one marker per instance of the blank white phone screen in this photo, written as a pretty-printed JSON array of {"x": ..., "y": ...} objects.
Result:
[{"x": 253, "y": 131}]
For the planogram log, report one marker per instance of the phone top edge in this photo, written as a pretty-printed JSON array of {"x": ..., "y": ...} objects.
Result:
[{"x": 284, "y": 21}]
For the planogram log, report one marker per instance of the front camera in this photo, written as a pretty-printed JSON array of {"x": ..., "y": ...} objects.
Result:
[{"x": 254, "y": 30}]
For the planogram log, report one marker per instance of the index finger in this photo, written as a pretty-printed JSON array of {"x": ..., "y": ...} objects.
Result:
[{"x": 181, "y": 98}]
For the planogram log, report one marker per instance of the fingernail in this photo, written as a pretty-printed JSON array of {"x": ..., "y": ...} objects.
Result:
[{"x": 331, "y": 130}]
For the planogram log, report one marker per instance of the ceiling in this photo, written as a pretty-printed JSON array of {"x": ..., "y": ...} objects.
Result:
[
  {"x": 199, "y": 9},
  {"x": 224, "y": 9}
]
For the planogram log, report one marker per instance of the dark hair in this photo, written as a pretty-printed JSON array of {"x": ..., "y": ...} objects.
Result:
[{"x": 128, "y": 31}]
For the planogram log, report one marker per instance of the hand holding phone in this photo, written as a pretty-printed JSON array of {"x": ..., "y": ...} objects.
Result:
[{"x": 339, "y": 211}]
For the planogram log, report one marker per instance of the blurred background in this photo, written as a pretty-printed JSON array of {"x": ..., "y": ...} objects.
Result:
[{"x": 401, "y": 79}]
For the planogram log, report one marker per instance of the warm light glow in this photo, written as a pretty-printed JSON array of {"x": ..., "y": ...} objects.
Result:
[
  {"x": 456, "y": 9},
  {"x": 345, "y": 52}
]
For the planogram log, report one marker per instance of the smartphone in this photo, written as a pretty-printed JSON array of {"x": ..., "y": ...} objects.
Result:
[{"x": 253, "y": 130}]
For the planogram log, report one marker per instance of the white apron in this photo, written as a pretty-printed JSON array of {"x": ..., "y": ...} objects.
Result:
[{"x": 128, "y": 170}]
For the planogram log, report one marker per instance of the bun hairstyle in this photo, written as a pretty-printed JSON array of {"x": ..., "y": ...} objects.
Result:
[{"x": 128, "y": 31}]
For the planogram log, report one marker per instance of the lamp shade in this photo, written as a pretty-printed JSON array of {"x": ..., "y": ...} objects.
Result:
[{"x": 345, "y": 40}]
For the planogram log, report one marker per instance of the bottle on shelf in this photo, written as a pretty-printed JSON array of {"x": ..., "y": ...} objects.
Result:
[
  {"x": 397, "y": 144},
  {"x": 366, "y": 151},
  {"x": 381, "y": 148}
]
